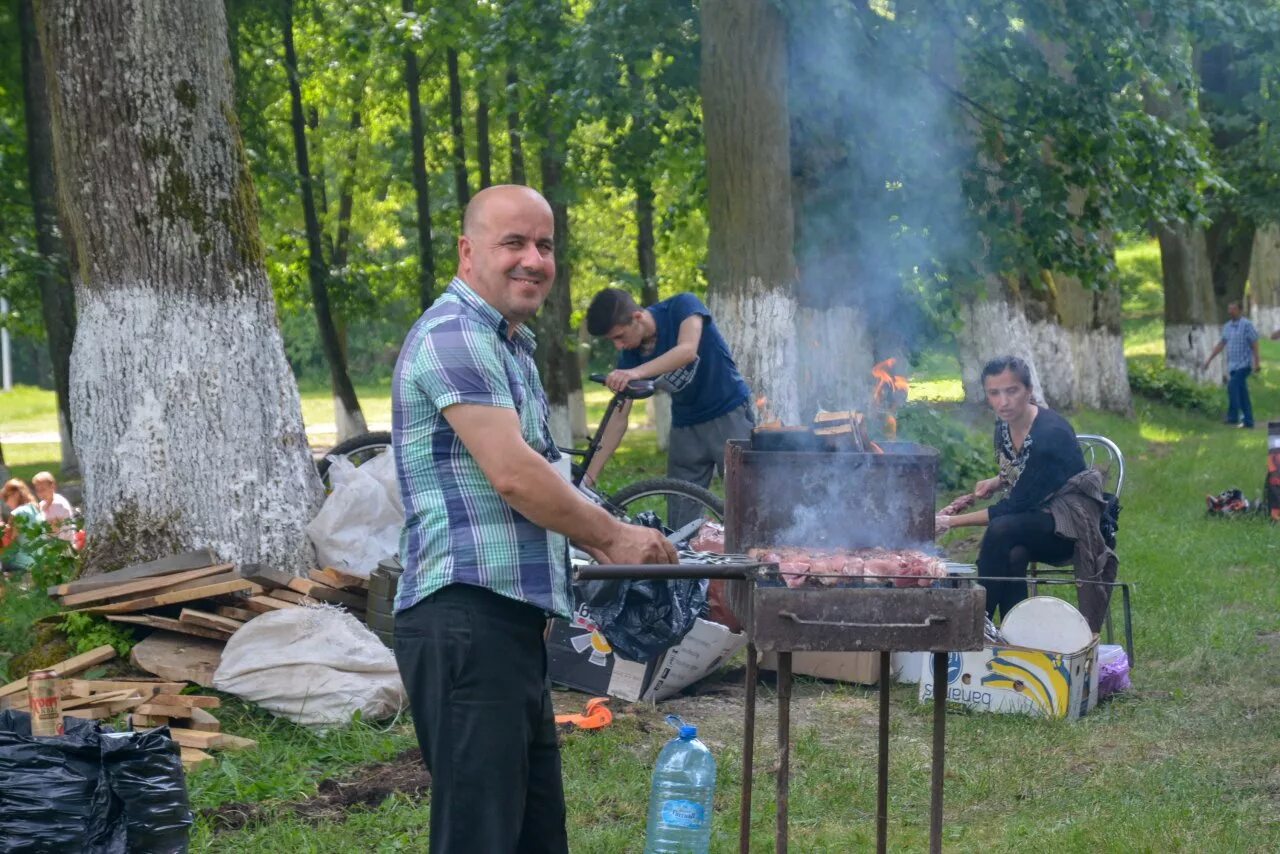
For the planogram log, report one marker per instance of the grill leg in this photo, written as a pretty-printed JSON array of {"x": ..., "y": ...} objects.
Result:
[
  {"x": 939, "y": 750},
  {"x": 882, "y": 772},
  {"x": 1128, "y": 621},
  {"x": 748, "y": 752},
  {"x": 784, "y": 747}
]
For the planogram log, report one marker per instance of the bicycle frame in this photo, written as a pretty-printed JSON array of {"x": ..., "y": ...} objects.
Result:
[{"x": 636, "y": 390}]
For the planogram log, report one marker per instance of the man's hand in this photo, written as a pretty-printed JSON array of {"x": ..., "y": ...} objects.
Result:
[
  {"x": 617, "y": 380},
  {"x": 636, "y": 544},
  {"x": 941, "y": 524},
  {"x": 986, "y": 488}
]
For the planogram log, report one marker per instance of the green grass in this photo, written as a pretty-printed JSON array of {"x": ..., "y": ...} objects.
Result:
[{"x": 1186, "y": 762}]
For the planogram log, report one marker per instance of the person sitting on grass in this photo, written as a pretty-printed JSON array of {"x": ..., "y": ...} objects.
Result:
[
  {"x": 57, "y": 510},
  {"x": 23, "y": 510},
  {"x": 1053, "y": 502}
]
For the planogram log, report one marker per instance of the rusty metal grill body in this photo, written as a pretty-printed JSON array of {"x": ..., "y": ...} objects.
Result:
[{"x": 839, "y": 500}]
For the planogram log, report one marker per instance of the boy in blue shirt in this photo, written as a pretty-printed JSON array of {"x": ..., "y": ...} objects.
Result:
[{"x": 676, "y": 343}]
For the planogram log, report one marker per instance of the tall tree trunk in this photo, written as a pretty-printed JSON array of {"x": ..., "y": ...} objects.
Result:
[
  {"x": 346, "y": 406},
  {"x": 5, "y": 474},
  {"x": 417, "y": 142},
  {"x": 187, "y": 417},
  {"x": 1190, "y": 312},
  {"x": 645, "y": 254},
  {"x": 513, "y": 127},
  {"x": 484, "y": 150},
  {"x": 557, "y": 361},
  {"x": 1264, "y": 279},
  {"x": 346, "y": 198},
  {"x": 1229, "y": 241},
  {"x": 57, "y": 299},
  {"x": 751, "y": 269},
  {"x": 461, "y": 190}
]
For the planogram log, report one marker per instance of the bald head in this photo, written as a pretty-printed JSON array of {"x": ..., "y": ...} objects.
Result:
[
  {"x": 506, "y": 253},
  {"x": 500, "y": 197}
]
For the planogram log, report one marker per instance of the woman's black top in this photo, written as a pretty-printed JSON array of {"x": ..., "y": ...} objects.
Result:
[{"x": 1050, "y": 457}]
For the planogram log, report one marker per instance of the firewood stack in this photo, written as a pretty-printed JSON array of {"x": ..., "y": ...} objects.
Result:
[{"x": 192, "y": 594}]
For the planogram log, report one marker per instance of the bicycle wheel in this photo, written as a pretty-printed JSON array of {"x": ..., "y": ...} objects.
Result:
[
  {"x": 674, "y": 501},
  {"x": 358, "y": 449}
]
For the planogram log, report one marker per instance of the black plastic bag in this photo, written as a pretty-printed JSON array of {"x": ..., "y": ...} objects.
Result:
[
  {"x": 90, "y": 790},
  {"x": 144, "y": 771},
  {"x": 642, "y": 618}
]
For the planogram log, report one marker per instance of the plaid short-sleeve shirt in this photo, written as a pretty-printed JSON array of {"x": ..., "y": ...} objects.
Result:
[
  {"x": 1239, "y": 336},
  {"x": 457, "y": 528}
]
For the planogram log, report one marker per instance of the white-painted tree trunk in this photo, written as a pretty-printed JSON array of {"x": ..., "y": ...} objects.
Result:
[
  {"x": 349, "y": 422},
  {"x": 568, "y": 421},
  {"x": 660, "y": 416},
  {"x": 1186, "y": 346},
  {"x": 759, "y": 326},
  {"x": 834, "y": 355},
  {"x": 188, "y": 422},
  {"x": 992, "y": 328},
  {"x": 1264, "y": 280},
  {"x": 578, "y": 413}
]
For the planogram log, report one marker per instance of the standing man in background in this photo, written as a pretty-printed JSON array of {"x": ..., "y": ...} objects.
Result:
[
  {"x": 1240, "y": 340},
  {"x": 676, "y": 343},
  {"x": 484, "y": 544}
]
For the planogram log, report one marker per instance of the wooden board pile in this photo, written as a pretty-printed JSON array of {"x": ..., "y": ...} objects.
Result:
[
  {"x": 148, "y": 702},
  {"x": 192, "y": 594}
]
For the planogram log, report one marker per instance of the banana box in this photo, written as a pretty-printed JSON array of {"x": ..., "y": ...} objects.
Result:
[{"x": 1018, "y": 680}]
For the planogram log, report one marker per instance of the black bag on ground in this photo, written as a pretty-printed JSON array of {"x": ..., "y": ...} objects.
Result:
[
  {"x": 640, "y": 619},
  {"x": 90, "y": 790}
]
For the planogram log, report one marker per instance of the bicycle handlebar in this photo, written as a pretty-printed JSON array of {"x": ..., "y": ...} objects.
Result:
[{"x": 636, "y": 389}]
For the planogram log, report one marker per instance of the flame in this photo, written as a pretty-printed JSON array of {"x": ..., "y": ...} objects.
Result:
[{"x": 886, "y": 394}]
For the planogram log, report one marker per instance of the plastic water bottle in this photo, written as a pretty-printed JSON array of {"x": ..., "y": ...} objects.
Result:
[{"x": 680, "y": 799}]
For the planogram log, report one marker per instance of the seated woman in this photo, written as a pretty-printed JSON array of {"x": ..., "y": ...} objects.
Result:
[
  {"x": 22, "y": 505},
  {"x": 1052, "y": 504}
]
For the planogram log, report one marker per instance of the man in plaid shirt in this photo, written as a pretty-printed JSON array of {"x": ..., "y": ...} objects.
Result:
[
  {"x": 484, "y": 544},
  {"x": 1240, "y": 340}
]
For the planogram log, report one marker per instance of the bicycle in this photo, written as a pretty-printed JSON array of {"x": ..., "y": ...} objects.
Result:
[{"x": 646, "y": 496}]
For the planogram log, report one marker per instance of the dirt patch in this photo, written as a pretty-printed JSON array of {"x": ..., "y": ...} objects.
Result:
[
  {"x": 364, "y": 787},
  {"x": 1270, "y": 638}
]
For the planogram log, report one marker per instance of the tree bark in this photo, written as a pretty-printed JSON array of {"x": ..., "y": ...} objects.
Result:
[
  {"x": 417, "y": 142},
  {"x": 346, "y": 406},
  {"x": 461, "y": 190},
  {"x": 1229, "y": 241},
  {"x": 188, "y": 420},
  {"x": 557, "y": 361},
  {"x": 346, "y": 198},
  {"x": 484, "y": 150},
  {"x": 1264, "y": 279},
  {"x": 57, "y": 298},
  {"x": 751, "y": 268},
  {"x": 513, "y": 127},
  {"x": 645, "y": 254},
  {"x": 1190, "y": 312}
]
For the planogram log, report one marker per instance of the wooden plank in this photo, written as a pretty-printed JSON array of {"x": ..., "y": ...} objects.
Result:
[
  {"x": 163, "y": 566},
  {"x": 338, "y": 580},
  {"x": 190, "y": 701},
  {"x": 325, "y": 593},
  {"x": 154, "y": 709},
  {"x": 101, "y": 699},
  {"x": 293, "y": 596},
  {"x": 148, "y": 720},
  {"x": 267, "y": 576},
  {"x": 85, "y": 687},
  {"x": 195, "y": 738},
  {"x": 234, "y": 742},
  {"x": 175, "y": 657},
  {"x": 243, "y": 615},
  {"x": 175, "y": 597},
  {"x": 193, "y": 758},
  {"x": 142, "y": 585},
  {"x": 202, "y": 721},
  {"x": 263, "y": 604},
  {"x": 169, "y": 624},
  {"x": 210, "y": 621},
  {"x": 69, "y": 667},
  {"x": 107, "y": 710}
]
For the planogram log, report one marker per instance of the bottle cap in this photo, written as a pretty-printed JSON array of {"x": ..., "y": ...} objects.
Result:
[{"x": 685, "y": 730}]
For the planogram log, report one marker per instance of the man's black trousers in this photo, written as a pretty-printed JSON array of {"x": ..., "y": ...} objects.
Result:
[
  {"x": 475, "y": 669},
  {"x": 1010, "y": 543}
]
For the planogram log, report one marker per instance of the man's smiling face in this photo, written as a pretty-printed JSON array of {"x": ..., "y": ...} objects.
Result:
[{"x": 507, "y": 253}]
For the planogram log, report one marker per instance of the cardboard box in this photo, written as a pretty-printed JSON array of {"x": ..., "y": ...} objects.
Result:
[
  {"x": 1018, "y": 680},
  {"x": 579, "y": 657},
  {"x": 862, "y": 668}
]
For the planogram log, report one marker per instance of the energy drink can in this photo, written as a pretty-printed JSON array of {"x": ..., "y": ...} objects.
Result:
[{"x": 46, "y": 703}]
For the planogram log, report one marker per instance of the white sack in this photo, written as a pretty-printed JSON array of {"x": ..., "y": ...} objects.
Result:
[
  {"x": 316, "y": 666},
  {"x": 359, "y": 523}
]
